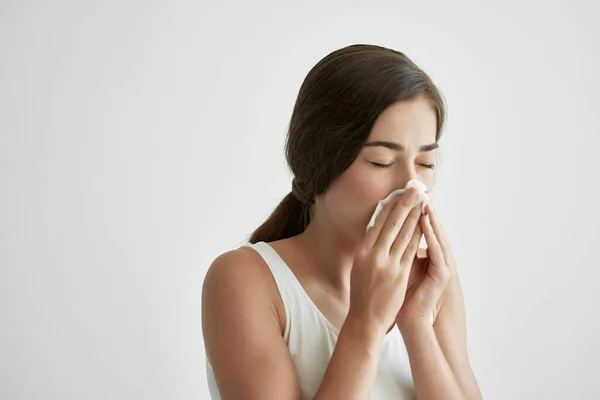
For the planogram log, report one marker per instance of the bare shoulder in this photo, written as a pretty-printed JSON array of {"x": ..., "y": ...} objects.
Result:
[
  {"x": 242, "y": 329},
  {"x": 235, "y": 266},
  {"x": 240, "y": 279}
]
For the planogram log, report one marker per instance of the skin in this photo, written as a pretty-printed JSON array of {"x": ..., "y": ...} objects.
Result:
[{"x": 363, "y": 283}]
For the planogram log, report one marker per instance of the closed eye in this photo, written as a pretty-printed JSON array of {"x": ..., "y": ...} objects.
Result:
[{"x": 380, "y": 165}]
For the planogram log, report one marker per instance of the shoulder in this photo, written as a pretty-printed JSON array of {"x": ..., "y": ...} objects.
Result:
[
  {"x": 239, "y": 280},
  {"x": 233, "y": 265},
  {"x": 241, "y": 329},
  {"x": 236, "y": 269}
]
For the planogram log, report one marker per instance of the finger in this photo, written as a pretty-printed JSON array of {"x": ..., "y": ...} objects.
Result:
[
  {"x": 405, "y": 237},
  {"x": 439, "y": 231},
  {"x": 373, "y": 233},
  {"x": 408, "y": 254},
  {"x": 437, "y": 227},
  {"x": 398, "y": 224},
  {"x": 434, "y": 249}
]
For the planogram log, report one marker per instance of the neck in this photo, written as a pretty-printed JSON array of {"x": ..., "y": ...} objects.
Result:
[{"x": 329, "y": 250}]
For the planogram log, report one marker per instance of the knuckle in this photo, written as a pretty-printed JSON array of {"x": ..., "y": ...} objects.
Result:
[
  {"x": 446, "y": 274},
  {"x": 442, "y": 271},
  {"x": 363, "y": 253},
  {"x": 412, "y": 247},
  {"x": 391, "y": 223},
  {"x": 407, "y": 202},
  {"x": 436, "y": 247},
  {"x": 443, "y": 266},
  {"x": 402, "y": 236},
  {"x": 378, "y": 259},
  {"x": 414, "y": 215}
]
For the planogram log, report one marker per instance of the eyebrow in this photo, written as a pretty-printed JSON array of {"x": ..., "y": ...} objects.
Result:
[{"x": 398, "y": 147}]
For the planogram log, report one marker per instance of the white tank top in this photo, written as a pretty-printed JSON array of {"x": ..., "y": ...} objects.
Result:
[{"x": 311, "y": 339}]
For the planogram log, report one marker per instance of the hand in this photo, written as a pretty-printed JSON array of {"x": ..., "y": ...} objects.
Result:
[
  {"x": 430, "y": 275},
  {"x": 383, "y": 262}
]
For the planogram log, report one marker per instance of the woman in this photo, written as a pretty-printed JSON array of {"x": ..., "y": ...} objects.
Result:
[{"x": 314, "y": 307}]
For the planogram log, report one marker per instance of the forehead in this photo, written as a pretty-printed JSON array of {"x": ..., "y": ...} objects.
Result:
[{"x": 407, "y": 122}]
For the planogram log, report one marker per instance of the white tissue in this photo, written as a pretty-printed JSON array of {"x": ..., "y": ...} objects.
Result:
[{"x": 413, "y": 183}]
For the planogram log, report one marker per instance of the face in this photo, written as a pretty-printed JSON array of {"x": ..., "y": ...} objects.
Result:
[{"x": 400, "y": 147}]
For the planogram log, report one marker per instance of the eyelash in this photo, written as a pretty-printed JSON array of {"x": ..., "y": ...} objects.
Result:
[{"x": 379, "y": 165}]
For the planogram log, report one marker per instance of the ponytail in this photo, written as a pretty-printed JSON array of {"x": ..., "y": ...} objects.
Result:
[{"x": 290, "y": 218}]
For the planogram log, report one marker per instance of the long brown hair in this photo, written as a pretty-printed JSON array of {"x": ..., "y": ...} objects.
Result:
[{"x": 337, "y": 105}]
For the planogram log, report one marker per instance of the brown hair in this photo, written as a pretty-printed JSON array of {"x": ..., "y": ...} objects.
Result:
[{"x": 337, "y": 105}]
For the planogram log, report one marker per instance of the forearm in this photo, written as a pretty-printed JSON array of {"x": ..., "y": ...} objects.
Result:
[
  {"x": 450, "y": 330},
  {"x": 353, "y": 365},
  {"x": 433, "y": 378}
]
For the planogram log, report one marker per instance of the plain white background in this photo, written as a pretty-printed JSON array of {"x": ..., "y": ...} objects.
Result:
[{"x": 141, "y": 139}]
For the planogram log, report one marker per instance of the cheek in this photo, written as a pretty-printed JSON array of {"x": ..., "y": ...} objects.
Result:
[
  {"x": 353, "y": 196},
  {"x": 368, "y": 183},
  {"x": 427, "y": 178}
]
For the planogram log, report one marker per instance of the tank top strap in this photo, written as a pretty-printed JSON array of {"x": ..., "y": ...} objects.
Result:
[
  {"x": 287, "y": 284},
  {"x": 283, "y": 276}
]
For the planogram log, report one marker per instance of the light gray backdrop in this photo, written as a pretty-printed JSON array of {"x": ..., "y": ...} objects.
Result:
[{"x": 140, "y": 139}]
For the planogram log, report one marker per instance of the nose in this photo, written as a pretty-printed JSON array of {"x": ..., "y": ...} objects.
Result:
[
  {"x": 406, "y": 175},
  {"x": 409, "y": 173}
]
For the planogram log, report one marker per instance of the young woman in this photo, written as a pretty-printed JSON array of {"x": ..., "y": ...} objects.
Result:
[{"x": 315, "y": 305}]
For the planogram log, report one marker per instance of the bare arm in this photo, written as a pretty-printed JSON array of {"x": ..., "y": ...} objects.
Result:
[
  {"x": 242, "y": 331},
  {"x": 243, "y": 337},
  {"x": 353, "y": 365},
  {"x": 432, "y": 375},
  {"x": 451, "y": 332}
]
